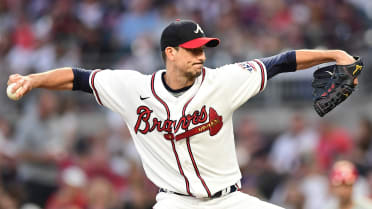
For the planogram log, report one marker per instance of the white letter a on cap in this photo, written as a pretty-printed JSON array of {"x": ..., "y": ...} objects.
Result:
[{"x": 198, "y": 29}]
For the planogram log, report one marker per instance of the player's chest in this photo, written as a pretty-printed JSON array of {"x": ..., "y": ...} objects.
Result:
[{"x": 180, "y": 118}]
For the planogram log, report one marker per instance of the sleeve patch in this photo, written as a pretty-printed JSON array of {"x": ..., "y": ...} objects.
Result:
[{"x": 246, "y": 66}]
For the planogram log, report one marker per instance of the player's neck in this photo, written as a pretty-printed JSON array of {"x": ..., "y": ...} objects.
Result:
[{"x": 175, "y": 80}]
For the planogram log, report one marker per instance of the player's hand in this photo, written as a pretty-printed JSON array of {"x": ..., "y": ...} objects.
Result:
[
  {"x": 343, "y": 58},
  {"x": 24, "y": 83},
  {"x": 346, "y": 59}
]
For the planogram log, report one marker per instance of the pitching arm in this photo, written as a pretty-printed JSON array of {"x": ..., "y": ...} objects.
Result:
[{"x": 58, "y": 79}]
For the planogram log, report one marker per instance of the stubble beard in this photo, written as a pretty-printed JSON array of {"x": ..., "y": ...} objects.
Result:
[{"x": 192, "y": 75}]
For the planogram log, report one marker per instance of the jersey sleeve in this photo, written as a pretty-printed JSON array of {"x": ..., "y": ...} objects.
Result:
[
  {"x": 114, "y": 88},
  {"x": 242, "y": 81},
  {"x": 81, "y": 80},
  {"x": 280, "y": 63}
]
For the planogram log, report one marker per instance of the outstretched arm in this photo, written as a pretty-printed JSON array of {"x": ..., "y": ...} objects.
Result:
[
  {"x": 291, "y": 61},
  {"x": 57, "y": 79},
  {"x": 308, "y": 58}
]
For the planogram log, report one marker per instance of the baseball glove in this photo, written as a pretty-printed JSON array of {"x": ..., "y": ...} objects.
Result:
[{"x": 333, "y": 84}]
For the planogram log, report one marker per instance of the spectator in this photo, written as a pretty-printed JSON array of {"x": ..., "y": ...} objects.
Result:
[
  {"x": 39, "y": 148},
  {"x": 333, "y": 142},
  {"x": 9, "y": 200},
  {"x": 293, "y": 145},
  {"x": 369, "y": 183},
  {"x": 141, "y": 19},
  {"x": 314, "y": 185},
  {"x": 71, "y": 193},
  {"x": 141, "y": 193},
  {"x": 289, "y": 195},
  {"x": 362, "y": 154},
  {"x": 248, "y": 142},
  {"x": 342, "y": 179},
  {"x": 101, "y": 195},
  {"x": 120, "y": 147},
  {"x": 252, "y": 151},
  {"x": 7, "y": 146}
]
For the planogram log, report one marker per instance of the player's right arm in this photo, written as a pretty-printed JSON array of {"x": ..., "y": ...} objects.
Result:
[
  {"x": 109, "y": 87},
  {"x": 65, "y": 78}
]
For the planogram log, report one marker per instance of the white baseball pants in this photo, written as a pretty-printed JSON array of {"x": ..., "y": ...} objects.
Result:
[{"x": 235, "y": 200}]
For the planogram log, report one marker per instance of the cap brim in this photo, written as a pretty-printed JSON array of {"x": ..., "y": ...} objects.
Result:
[{"x": 199, "y": 42}]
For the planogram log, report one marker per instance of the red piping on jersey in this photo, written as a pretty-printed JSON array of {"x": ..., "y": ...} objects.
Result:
[
  {"x": 173, "y": 145},
  {"x": 94, "y": 88},
  {"x": 189, "y": 147},
  {"x": 262, "y": 74},
  {"x": 203, "y": 70},
  {"x": 180, "y": 168},
  {"x": 196, "y": 168},
  {"x": 158, "y": 98}
]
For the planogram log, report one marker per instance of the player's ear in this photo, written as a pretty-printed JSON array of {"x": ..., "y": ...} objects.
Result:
[{"x": 170, "y": 52}]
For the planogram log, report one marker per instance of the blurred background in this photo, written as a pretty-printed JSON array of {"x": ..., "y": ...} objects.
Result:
[{"x": 60, "y": 150}]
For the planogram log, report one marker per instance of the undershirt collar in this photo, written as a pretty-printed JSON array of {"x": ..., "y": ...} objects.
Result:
[{"x": 175, "y": 92}]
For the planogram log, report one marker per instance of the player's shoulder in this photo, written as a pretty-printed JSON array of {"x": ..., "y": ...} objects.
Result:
[
  {"x": 119, "y": 77},
  {"x": 119, "y": 74},
  {"x": 247, "y": 66},
  {"x": 225, "y": 68}
]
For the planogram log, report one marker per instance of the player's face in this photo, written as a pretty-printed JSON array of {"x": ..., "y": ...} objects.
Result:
[{"x": 190, "y": 61}]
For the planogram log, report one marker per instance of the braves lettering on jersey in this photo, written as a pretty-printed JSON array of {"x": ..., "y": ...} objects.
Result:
[{"x": 186, "y": 143}]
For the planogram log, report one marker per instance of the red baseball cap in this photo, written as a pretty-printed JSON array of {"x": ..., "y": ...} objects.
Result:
[
  {"x": 343, "y": 172},
  {"x": 187, "y": 34}
]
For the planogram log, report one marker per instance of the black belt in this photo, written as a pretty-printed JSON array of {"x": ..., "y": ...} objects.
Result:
[{"x": 228, "y": 190}]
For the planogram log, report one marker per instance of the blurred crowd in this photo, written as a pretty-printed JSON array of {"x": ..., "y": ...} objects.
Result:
[
  {"x": 294, "y": 167},
  {"x": 41, "y": 34},
  {"x": 47, "y": 162},
  {"x": 52, "y": 157}
]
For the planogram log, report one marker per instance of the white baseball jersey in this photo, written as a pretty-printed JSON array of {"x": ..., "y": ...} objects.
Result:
[{"x": 186, "y": 143}]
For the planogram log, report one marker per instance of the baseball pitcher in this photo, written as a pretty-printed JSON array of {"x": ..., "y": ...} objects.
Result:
[{"x": 181, "y": 117}]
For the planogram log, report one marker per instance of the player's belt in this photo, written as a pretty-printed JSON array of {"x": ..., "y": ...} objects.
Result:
[{"x": 228, "y": 190}]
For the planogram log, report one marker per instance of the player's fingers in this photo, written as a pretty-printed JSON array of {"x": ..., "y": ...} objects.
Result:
[
  {"x": 20, "y": 93},
  {"x": 356, "y": 81},
  {"x": 13, "y": 78},
  {"x": 19, "y": 83},
  {"x": 26, "y": 87}
]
